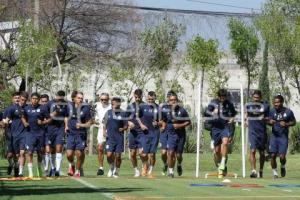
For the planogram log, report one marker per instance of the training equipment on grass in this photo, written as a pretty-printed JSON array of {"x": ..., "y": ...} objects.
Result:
[
  {"x": 215, "y": 174},
  {"x": 285, "y": 185},
  {"x": 226, "y": 181},
  {"x": 207, "y": 185}
]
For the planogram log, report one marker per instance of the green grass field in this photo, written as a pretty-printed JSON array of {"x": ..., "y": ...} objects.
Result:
[{"x": 126, "y": 187}]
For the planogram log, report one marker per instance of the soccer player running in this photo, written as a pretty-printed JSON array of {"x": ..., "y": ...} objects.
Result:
[
  {"x": 135, "y": 130},
  {"x": 175, "y": 122},
  {"x": 149, "y": 123},
  {"x": 10, "y": 156},
  {"x": 76, "y": 126},
  {"x": 223, "y": 112},
  {"x": 49, "y": 157},
  {"x": 34, "y": 119},
  {"x": 101, "y": 108},
  {"x": 56, "y": 129},
  {"x": 164, "y": 108},
  {"x": 14, "y": 115},
  {"x": 281, "y": 118},
  {"x": 257, "y": 113},
  {"x": 115, "y": 124}
]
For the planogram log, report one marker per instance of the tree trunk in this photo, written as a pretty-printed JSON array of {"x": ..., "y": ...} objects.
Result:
[{"x": 248, "y": 82}]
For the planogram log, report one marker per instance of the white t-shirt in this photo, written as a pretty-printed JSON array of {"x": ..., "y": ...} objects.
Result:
[{"x": 100, "y": 112}]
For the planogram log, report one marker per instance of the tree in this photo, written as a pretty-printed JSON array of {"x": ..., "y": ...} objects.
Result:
[
  {"x": 217, "y": 79},
  {"x": 202, "y": 55},
  {"x": 244, "y": 45},
  {"x": 263, "y": 84},
  {"x": 96, "y": 26},
  {"x": 162, "y": 40}
]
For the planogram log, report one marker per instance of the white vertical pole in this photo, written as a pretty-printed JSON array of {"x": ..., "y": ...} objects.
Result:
[
  {"x": 243, "y": 133},
  {"x": 198, "y": 134}
]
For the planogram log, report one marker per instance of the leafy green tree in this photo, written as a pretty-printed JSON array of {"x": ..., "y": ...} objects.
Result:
[
  {"x": 203, "y": 56},
  {"x": 162, "y": 41},
  {"x": 263, "y": 84},
  {"x": 244, "y": 45},
  {"x": 217, "y": 79}
]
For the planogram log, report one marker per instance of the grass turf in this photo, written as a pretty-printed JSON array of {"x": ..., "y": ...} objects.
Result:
[{"x": 126, "y": 187}]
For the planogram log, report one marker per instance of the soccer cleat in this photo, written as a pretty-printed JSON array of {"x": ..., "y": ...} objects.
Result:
[
  {"x": 225, "y": 171},
  {"x": 9, "y": 170},
  {"x": 222, "y": 167},
  {"x": 57, "y": 174},
  {"x": 164, "y": 170},
  {"x": 253, "y": 175},
  {"x": 110, "y": 173},
  {"x": 282, "y": 172},
  {"x": 171, "y": 175},
  {"x": 71, "y": 170},
  {"x": 220, "y": 173},
  {"x": 260, "y": 174},
  {"x": 100, "y": 172},
  {"x": 275, "y": 176},
  {"x": 77, "y": 175},
  {"x": 179, "y": 170},
  {"x": 20, "y": 175},
  {"x": 115, "y": 175},
  {"x": 52, "y": 172},
  {"x": 145, "y": 170},
  {"x": 137, "y": 173},
  {"x": 16, "y": 172}
]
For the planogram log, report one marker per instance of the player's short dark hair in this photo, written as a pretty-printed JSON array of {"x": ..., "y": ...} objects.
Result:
[
  {"x": 73, "y": 94},
  {"x": 170, "y": 92},
  {"x": 24, "y": 94},
  {"x": 35, "y": 94},
  {"x": 151, "y": 94},
  {"x": 79, "y": 93},
  {"x": 15, "y": 94},
  {"x": 45, "y": 96},
  {"x": 222, "y": 93},
  {"x": 257, "y": 92},
  {"x": 138, "y": 92},
  {"x": 279, "y": 97},
  {"x": 173, "y": 95},
  {"x": 61, "y": 93},
  {"x": 117, "y": 99}
]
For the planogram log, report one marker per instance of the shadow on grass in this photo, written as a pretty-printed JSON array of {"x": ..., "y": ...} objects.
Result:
[{"x": 6, "y": 190}]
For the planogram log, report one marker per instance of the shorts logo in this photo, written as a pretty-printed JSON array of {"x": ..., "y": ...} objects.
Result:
[
  {"x": 27, "y": 147},
  {"x": 107, "y": 146}
]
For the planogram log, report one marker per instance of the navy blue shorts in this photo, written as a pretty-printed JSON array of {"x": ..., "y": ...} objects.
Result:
[
  {"x": 134, "y": 140},
  {"x": 115, "y": 145},
  {"x": 34, "y": 142},
  {"x": 149, "y": 141},
  {"x": 278, "y": 144},
  {"x": 18, "y": 143},
  {"x": 176, "y": 142},
  {"x": 76, "y": 142},
  {"x": 163, "y": 140},
  {"x": 257, "y": 141},
  {"x": 54, "y": 139},
  {"x": 219, "y": 134}
]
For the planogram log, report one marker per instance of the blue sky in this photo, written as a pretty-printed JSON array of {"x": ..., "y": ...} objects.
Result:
[{"x": 240, "y": 6}]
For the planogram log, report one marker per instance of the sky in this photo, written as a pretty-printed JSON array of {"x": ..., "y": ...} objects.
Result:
[{"x": 237, "y": 6}]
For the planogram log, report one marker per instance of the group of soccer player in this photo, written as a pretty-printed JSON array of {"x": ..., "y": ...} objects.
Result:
[
  {"x": 47, "y": 127},
  {"x": 220, "y": 115},
  {"x": 147, "y": 124}
]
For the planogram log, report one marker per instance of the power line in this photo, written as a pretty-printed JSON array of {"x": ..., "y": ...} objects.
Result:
[{"x": 224, "y": 5}]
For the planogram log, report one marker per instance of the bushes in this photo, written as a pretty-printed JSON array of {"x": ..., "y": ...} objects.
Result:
[{"x": 294, "y": 139}]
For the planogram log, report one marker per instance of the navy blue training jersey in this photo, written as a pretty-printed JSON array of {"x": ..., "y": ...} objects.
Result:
[
  {"x": 113, "y": 121},
  {"x": 175, "y": 115},
  {"x": 62, "y": 109},
  {"x": 33, "y": 114},
  {"x": 133, "y": 112},
  {"x": 15, "y": 113},
  {"x": 284, "y": 114},
  {"x": 81, "y": 114},
  {"x": 148, "y": 114},
  {"x": 224, "y": 109},
  {"x": 256, "y": 113}
]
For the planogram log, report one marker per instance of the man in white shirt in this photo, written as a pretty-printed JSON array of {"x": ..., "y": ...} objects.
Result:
[{"x": 101, "y": 108}]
